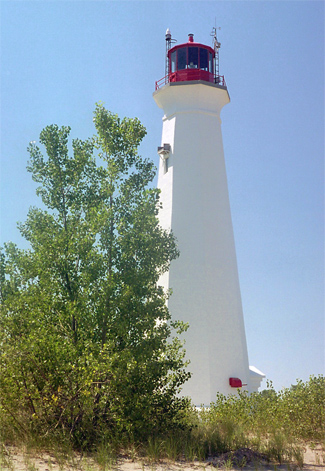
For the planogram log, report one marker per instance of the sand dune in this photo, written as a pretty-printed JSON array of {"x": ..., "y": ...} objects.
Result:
[{"x": 15, "y": 459}]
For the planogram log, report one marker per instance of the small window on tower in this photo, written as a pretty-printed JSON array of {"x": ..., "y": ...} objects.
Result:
[
  {"x": 193, "y": 57},
  {"x": 173, "y": 62},
  {"x": 181, "y": 58},
  {"x": 203, "y": 59},
  {"x": 211, "y": 63}
]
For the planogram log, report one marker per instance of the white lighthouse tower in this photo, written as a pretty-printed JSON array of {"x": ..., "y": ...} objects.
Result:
[{"x": 195, "y": 206}]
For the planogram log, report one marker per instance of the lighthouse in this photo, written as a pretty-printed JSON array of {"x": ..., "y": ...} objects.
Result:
[{"x": 195, "y": 206}]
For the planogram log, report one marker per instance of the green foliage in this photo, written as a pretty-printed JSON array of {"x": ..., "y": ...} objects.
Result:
[
  {"x": 298, "y": 411},
  {"x": 270, "y": 422},
  {"x": 84, "y": 328},
  {"x": 303, "y": 408},
  {"x": 265, "y": 424}
]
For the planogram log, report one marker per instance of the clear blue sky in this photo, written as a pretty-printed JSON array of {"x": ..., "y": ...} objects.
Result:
[{"x": 59, "y": 57}]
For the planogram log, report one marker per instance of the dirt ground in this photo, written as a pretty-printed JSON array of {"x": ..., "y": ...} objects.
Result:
[{"x": 14, "y": 459}]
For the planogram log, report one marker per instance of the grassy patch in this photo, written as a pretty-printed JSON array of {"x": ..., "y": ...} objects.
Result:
[{"x": 271, "y": 425}]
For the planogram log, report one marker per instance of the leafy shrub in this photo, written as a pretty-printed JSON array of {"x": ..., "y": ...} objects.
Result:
[
  {"x": 271, "y": 422},
  {"x": 84, "y": 327}
]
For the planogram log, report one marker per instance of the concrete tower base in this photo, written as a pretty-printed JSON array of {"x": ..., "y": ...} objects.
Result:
[{"x": 195, "y": 200}]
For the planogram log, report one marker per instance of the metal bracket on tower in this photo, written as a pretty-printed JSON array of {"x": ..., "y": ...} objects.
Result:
[{"x": 164, "y": 151}]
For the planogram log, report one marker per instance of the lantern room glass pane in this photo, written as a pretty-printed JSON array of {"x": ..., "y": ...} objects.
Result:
[
  {"x": 203, "y": 59},
  {"x": 173, "y": 61},
  {"x": 181, "y": 56},
  {"x": 211, "y": 63},
  {"x": 193, "y": 57}
]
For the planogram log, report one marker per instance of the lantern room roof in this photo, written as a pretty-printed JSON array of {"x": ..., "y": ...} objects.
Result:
[{"x": 190, "y": 44}]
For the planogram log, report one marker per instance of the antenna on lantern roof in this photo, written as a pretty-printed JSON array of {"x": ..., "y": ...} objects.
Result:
[
  {"x": 216, "y": 47},
  {"x": 168, "y": 37},
  {"x": 169, "y": 42}
]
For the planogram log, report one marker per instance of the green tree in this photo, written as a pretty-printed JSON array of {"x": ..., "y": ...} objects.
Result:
[{"x": 85, "y": 333}]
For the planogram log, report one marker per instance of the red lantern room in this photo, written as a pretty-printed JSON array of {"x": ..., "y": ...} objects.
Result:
[{"x": 191, "y": 61}]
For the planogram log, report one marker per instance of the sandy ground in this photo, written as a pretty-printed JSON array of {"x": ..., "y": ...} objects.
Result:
[{"x": 14, "y": 459}]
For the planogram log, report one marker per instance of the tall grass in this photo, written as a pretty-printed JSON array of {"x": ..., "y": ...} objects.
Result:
[
  {"x": 298, "y": 411},
  {"x": 274, "y": 425}
]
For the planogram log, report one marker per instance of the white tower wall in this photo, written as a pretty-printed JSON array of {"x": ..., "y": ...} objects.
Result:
[{"x": 204, "y": 279}]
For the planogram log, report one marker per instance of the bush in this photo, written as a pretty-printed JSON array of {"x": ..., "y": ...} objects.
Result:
[
  {"x": 270, "y": 421},
  {"x": 85, "y": 333}
]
